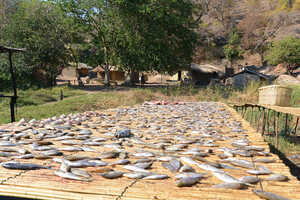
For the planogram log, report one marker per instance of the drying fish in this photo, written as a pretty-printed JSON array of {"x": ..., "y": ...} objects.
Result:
[
  {"x": 264, "y": 160},
  {"x": 23, "y": 166},
  {"x": 112, "y": 174},
  {"x": 186, "y": 168},
  {"x": 249, "y": 179},
  {"x": 156, "y": 177},
  {"x": 187, "y": 181},
  {"x": 121, "y": 162},
  {"x": 109, "y": 154},
  {"x": 144, "y": 165},
  {"x": 225, "y": 177},
  {"x": 136, "y": 175},
  {"x": 277, "y": 177},
  {"x": 268, "y": 195},
  {"x": 135, "y": 169},
  {"x": 230, "y": 186},
  {"x": 190, "y": 174},
  {"x": 262, "y": 170},
  {"x": 69, "y": 175}
]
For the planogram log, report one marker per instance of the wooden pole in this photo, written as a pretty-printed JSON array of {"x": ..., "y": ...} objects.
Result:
[
  {"x": 245, "y": 111},
  {"x": 13, "y": 99},
  {"x": 286, "y": 123},
  {"x": 277, "y": 129},
  {"x": 258, "y": 119},
  {"x": 274, "y": 122},
  {"x": 251, "y": 118},
  {"x": 296, "y": 126},
  {"x": 263, "y": 122},
  {"x": 268, "y": 122}
]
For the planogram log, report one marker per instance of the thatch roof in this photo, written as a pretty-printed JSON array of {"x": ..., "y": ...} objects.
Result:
[{"x": 208, "y": 69}]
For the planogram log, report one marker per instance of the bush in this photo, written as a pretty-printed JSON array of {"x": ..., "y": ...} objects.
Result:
[{"x": 285, "y": 51}]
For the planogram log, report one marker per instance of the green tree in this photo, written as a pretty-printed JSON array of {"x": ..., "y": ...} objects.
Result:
[
  {"x": 232, "y": 49},
  {"x": 137, "y": 35},
  {"x": 45, "y": 33},
  {"x": 286, "y": 51}
]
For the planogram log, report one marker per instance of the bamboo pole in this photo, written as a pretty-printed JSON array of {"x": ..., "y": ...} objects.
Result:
[{"x": 245, "y": 112}]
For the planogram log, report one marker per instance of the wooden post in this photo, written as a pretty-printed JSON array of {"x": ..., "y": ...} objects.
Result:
[
  {"x": 13, "y": 99},
  {"x": 263, "y": 122},
  {"x": 258, "y": 119},
  {"x": 274, "y": 122},
  {"x": 296, "y": 126},
  {"x": 277, "y": 129},
  {"x": 245, "y": 111},
  {"x": 268, "y": 122},
  {"x": 286, "y": 123},
  {"x": 251, "y": 118}
]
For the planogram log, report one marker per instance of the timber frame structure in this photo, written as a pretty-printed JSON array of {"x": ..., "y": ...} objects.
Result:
[
  {"x": 266, "y": 115},
  {"x": 13, "y": 98}
]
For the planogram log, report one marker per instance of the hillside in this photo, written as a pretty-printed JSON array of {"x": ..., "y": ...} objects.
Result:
[{"x": 262, "y": 20}]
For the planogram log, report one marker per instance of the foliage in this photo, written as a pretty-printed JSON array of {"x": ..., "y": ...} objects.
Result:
[
  {"x": 158, "y": 35},
  {"x": 232, "y": 50},
  {"x": 23, "y": 73},
  {"x": 286, "y": 50},
  {"x": 45, "y": 34}
]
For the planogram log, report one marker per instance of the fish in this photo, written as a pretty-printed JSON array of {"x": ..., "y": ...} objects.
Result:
[
  {"x": 144, "y": 154},
  {"x": 23, "y": 166},
  {"x": 186, "y": 168},
  {"x": 69, "y": 175},
  {"x": 268, "y": 195},
  {"x": 249, "y": 179},
  {"x": 135, "y": 169},
  {"x": 121, "y": 162},
  {"x": 112, "y": 174},
  {"x": 136, "y": 175},
  {"x": 190, "y": 174},
  {"x": 156, "y": 177},
  {"x": 277, "y": 177},
  {"x": 225, "y": 177},
  {"x": 187, "y": 181},
  {"x": 230, "y": 186},
  {"x": 144, "y": 165},
  {"x": 70, "y": 149},
  {"x": 239, "y": 163},
  {"x": 174, "y": 165},
  {"x": 262, "y": 170},
  {"x": 109, "y": 155},
  {"x": 264, "y": 160}
]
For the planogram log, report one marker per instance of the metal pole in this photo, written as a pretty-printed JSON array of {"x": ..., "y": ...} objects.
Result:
[{"x": 14, "y": 97}]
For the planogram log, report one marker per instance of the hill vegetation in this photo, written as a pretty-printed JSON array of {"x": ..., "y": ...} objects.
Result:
[{"x": 138, "y": 36}]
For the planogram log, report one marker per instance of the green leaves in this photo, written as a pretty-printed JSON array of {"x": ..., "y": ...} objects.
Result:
[{"x": 286, "y": 51}]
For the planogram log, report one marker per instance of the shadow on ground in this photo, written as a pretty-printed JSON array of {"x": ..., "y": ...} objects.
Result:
[{"x": 294, "y": 169}]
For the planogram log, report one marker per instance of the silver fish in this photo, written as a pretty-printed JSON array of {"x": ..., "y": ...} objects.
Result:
[
  {"x": 186, "y": 168},
  {"x": 277, "y": 177},
  {"x": 156, "y": 177},
  {"x": 69, "y": 175},
  {"x": 249, "y": 179},
  {"x": 187, "y": 181},
  {"x": 230, "y": 186},
  {"x": 190, "y": 174},
  {"x": 23, "y": 166},
  {"x": 268, "y": 195},
  {"x": 225, "y": 177},
  {"x": 112, "y": 174},
  {"x": 135, "y": 169},
  {"x": 136, "y": 175}
]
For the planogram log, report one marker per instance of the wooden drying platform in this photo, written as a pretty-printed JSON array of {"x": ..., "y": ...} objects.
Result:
[
  {"x": 267, "y": 116},
  {"x": 42, "y": 184}
]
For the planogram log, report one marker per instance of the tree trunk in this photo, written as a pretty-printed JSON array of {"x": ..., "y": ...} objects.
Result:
[
  {"x": 179, "y": 75},
  {"x": 132, "y": 77},
  {"x": 107, "y": 76},
  {"x": 290, "y": 3},
  {"x": 262, "y": 58}
]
